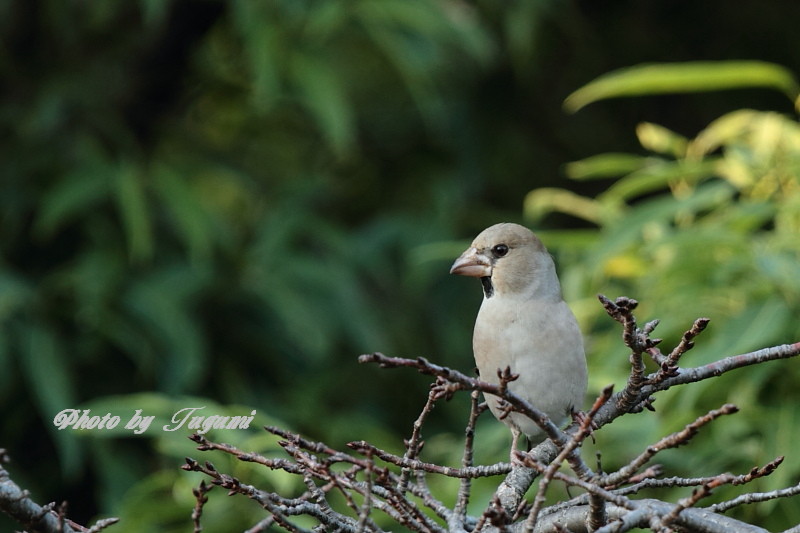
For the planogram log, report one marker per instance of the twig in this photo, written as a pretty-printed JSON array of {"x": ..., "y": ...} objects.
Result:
[
  {"x": 673, "y": 440},
  {"x": 102, "y": 524},
  {"x": 698, "y": 494},
  {"x": 200, "y": 500},
  {"x": 574, "y": 443},
  {"x": 639, "y": 341},
  {"x": 415, "y": 443},
  {"x": 469, "y": 472},
  {"x": 203, "y": 444},
  {"x": 496, "y": 515},
  {"x": 17, "y": 503},
  {"x": 585, "y": 485},
  {"x": 462, "y": 500},
  {"x": 262, "y": 525},
  {"x": 366, "y": 506},
  {"x": 465, "y": 382},
  {"x": 717, "y": 368},
  {"x": 756, "y": 472},
  {"x": 641, "y": 512},
  {"x": 404, "y": 494},
  {"x": 754, "y": 497},
  {"x": 691, "y": 375},
  {"x": 669, "y": 364},
  {"x": 278, "y": 506}
]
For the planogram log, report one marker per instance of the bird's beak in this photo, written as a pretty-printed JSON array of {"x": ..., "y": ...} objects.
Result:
[{"x": 471, "y": 263}]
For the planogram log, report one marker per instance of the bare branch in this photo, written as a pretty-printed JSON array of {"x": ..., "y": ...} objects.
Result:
[
  {"x": 621, "y": 310},
  {"x": 468, "y": 383},
  {"x": 201, "y": 499},
  {"x": 397, "y": 485},
  {"x": 496, "y": 469},
  {"x": 669, "y": 363},
  {"x": 577, "y": 439},
  {"x": 674, "y": 440},
  {"x": 48, "y": 518},
  {"x": 754, "y": 497},
  {"x": 698, "y": 494},
  {"x": 415, "y": 443},
  {"x": 460, "y": 510},
  {"x": 691, "y": 375}
]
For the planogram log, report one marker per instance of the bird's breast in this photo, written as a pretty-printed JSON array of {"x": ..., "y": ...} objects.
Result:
[
  {"x": 538, "y": 340},
  {"x": 510, "y": 332}
]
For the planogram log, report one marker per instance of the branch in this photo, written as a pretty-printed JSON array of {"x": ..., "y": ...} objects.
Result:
[
  {"x": 201, "y": 499},
  {"x": 638, "y": 340},
  {"x": 664, "y": 522},
  {"x": 49, "y": 518},
  {"x": 464, "y": 488},
  {"x": 684, "y": 376},
  {"x": 669, "y": 364},
  {"x": 341, "y": 491},
  {"x": 467, "y": 383},
  {"x": 469, "y": 472},
  {"x": 575, "y": 442},
  {"x": 674, "y": 440},
  {"x": 626, "y": 513},
  {"x": 754, "y": 497}
]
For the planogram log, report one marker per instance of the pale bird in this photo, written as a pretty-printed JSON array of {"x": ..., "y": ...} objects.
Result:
[{"x": 524, "y": 324}]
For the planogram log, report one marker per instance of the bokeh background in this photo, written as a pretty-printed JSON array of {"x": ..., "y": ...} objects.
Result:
[{"x": 222, "y": 204}]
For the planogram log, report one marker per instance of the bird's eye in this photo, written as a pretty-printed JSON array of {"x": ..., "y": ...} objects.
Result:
[{"x": 499, "y": 250}]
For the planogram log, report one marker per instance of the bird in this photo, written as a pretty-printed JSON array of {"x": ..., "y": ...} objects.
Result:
[{"x": 525, "y": 325}]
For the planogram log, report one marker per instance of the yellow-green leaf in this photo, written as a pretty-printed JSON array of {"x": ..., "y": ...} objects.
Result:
[
  {"x": 540, "y": 202},
  {"x": 693, "y": 76}
]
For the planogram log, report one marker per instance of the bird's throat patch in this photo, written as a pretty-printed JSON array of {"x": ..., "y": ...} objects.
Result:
[{"x": 488, "y": 288}]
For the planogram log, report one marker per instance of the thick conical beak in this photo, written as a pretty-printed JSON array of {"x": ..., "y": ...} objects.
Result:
[{"x": 471, "y": 263}]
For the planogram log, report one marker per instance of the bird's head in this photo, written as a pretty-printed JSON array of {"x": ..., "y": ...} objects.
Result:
[{"x": 508, "y": 259}]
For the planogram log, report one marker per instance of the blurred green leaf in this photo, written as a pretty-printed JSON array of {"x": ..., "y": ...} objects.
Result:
[
  {"x": 417, "y": 37},
  {"x": 657, "y": 175},
  {"x": 604, "y": 166},
  {"x": 541, "y": 202},
  {"x": 693, "y": 76},
  {"x": 155, "y": 504},
  {"x": 73, "y": 195},
  {"x": 163, "y": 305},
  {"x": 325, "y": 97},
  {"x": 155, "y": 11},
  {"x": 15, "y": 296},
  {"x": 262, "y": 45},
  {"x": 756, "y": 326},
  {"x": 132, "y": 204},
  {"x": 6, "y": 369},
  {"x": 660, "y": 140},
  {"x": 49, "y": 375},
  {"x": 192, "y": 222},
  {"x": 629, "y": 228}
]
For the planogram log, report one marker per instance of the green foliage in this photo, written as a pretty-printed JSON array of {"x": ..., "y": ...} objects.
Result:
[
  {"x": 702, "y": 226},
  {"x": 157, "y": 501},
  {"x": 685, "y": 77},
  {"x": 221, "y": 200}
]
